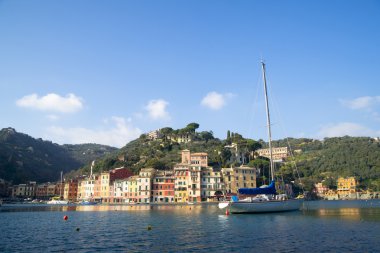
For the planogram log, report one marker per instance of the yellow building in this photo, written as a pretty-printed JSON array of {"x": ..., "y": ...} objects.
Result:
[
  {"x": 131, "y": 196},
  {"x": 346, "y": 185},
  {"x": 238, "y": 177},
  {"x": 181, "y": 182},
  {"x": 104, "y": 181}
]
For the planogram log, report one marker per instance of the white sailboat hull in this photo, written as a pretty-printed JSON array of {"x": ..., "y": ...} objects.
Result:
[{"x": 265, "y": 206}]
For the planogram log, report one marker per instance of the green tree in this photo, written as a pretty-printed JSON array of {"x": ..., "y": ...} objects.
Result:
[
  {"x": 206, "y": 135},
  {"x": 225, "y": 156},
  {"x": 192, "y": 127},
  {"x": 330, "y": 183}
]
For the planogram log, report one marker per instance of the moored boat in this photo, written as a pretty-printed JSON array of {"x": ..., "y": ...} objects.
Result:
[
  {"x": 58, "y": 200},
  {"x": 263, "y": 199}
]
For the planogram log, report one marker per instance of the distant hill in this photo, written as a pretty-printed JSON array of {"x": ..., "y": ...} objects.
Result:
[{"x": 24, "y": 158}]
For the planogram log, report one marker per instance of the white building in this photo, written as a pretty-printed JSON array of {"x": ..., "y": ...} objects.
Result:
[{"x": 144, "y": 183}]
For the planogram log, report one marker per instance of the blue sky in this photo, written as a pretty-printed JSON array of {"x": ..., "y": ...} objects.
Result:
[{"x": 107, "y": 71}]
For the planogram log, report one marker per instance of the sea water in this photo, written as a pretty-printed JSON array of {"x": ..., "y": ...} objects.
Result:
[{"x": 323, "y": 226}]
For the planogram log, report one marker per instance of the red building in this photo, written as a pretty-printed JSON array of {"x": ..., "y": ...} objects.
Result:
[
  {"x": 120, "y": 173},
  {"x": 163, "y": 187}
]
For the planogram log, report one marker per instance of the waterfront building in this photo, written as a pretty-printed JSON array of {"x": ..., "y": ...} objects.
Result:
[
  {"x": 346, "y": 186},
  {"x": 211, "y": 184},
  {"x": 131, "y": 194},
  {"x": 278, "y": 154},
  {"x": 194, "y": 183},
  {"x": 238, "y": 177},
  {"x": 70, "y": 192},
  {"x": 86, "y": 188},
  {"x": 104, "y": 186},
  {"x": 163, "y": 187},
  {"x": 51, "y": 190},
  {"x": 144, "y": 184},
  {"x": 181, "y": 182},
  {"x": 188, "y": 176},
  {"x": 120, "y": 187},
  {"x": 41, "y": 191},
  {"x": 24, "y": 190}
]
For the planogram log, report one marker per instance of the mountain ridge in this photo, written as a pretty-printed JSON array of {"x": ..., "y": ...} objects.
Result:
[{"x": 24, "y": 158}]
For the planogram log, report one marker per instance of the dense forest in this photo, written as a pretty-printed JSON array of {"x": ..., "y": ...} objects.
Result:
[{"x": 23, "y": 158}]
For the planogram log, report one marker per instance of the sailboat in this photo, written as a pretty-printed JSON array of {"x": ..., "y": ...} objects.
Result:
[
  {"x": 264, "y": 199},
  {"x": 58, "y": 200},
  {"x": 89, "y": 201}
]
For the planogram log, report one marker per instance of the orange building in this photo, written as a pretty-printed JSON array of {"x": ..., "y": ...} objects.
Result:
[
  {"x": 70, "y": 192},
  {"x": 163, "y": 187}
]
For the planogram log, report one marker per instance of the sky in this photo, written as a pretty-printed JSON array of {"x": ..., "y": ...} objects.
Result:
[{"x": 106, "y": 72}]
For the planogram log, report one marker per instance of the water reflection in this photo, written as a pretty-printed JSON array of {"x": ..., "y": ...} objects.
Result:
[
  {"x": 345, "y": 213},
  {"x": 193, "y": 209}
]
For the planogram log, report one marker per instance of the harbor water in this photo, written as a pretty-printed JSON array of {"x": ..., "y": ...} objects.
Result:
[{"x": 323, "y": 226}]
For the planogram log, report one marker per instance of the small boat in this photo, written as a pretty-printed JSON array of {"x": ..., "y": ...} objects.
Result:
[
  {"x": 263, "y": 199},
  {"x": 58, "y": 200},
  {"x": 88, "y": 202}
]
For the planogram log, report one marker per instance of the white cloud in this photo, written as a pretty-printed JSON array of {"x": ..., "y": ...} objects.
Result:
[
  {"x": 51, "y": 102},
  {"x": 119, "y": 134},
  {"x": 346, "y": 128},
  {"x": 215, "y": 100},
  {"x": 157, "y": 109},
  {"x": 365, "y": 102},
  {"x": 52, "y": 117}
]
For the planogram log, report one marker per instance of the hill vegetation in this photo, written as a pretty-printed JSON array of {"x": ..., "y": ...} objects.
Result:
[
  {"x": 23, "y": 158},
  {"x": 313, "y": 160}
]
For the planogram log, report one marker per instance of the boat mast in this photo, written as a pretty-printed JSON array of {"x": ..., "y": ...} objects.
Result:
[
  {"x": 268, "y": 122},
  {"x": 60, "y": 187}
]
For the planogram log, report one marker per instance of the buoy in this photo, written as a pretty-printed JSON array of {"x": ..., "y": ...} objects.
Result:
[
  {"x": 227, "y": 212},
  {"x": 65, "y": 217},
  {"x": 149, "y": 227}
]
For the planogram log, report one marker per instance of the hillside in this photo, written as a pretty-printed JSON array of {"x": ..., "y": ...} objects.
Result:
[
  {"x": 315, "y": 160},
  {"x": 23, "y": 158},
  {"x": 331, "y": 158}
]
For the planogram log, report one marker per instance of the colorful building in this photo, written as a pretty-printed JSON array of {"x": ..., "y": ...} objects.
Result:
[
  {"x": 163, "y": 187},
  {"x": 211, "y": 184},
  {"x": 181, "y": 178},
  {"x": 131, "y": 194},
  {"x": 120, "y": 191},
  {"x": 346, "y": 186},
  {"x": 144, "y": 183},
  {"x": 70, "y": 192},
  {"x": 238, "y": 177}
]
